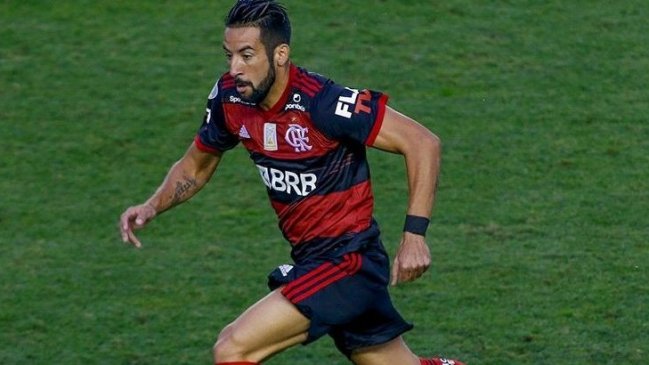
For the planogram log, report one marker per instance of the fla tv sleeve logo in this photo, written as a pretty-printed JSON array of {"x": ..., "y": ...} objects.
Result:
[{"x": 357, "y": 100}]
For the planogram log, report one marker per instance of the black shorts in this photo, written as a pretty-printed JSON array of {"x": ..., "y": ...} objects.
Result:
[{"x": 346, "y": 297}]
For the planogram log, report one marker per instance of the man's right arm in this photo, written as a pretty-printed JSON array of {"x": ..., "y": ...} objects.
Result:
[{"x": 185, "y": 178}]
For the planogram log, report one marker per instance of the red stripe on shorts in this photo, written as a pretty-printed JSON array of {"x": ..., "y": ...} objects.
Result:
[{"x": 321, "y": 277}]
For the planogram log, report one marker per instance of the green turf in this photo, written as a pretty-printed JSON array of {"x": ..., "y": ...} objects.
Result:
[{"x": 540, "y": 230}]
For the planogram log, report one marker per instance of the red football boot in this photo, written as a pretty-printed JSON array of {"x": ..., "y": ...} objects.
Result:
[{"x": 440, "y": 361}]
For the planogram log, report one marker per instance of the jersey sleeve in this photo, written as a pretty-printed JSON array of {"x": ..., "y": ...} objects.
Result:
[
  {"x": 349, "y": 114},
  {"x": 213, "y": 136}
]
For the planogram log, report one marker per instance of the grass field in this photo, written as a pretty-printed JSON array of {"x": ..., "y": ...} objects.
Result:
[{"x": 540, "y": 233}]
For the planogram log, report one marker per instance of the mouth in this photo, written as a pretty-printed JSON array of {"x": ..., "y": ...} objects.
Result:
[
  {"x": 241, "y": 88},
  {"x": 242, "y": 85}
]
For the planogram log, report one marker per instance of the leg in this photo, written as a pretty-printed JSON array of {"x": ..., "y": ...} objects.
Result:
[
  {"x": 395, "y": 352},
  {"x": 271, "y": 325},
  {"x": 389, "y": 353}
]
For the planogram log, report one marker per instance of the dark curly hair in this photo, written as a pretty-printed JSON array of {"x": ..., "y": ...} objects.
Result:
[{"x": 269, "y": 16}]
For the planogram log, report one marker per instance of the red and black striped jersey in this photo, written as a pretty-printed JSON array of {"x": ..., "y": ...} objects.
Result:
[{"x": 309, "y": 149}]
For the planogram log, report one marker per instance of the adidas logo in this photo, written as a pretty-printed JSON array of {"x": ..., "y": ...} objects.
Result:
[
  {"x": 284, "y": 269},
  {"x": 243, "y": 132}
]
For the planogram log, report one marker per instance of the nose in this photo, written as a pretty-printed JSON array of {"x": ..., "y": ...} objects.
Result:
[{"x": 235, "y": 66}]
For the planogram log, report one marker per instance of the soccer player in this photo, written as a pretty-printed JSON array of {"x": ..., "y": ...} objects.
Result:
[{"x": 307, "y": 135}]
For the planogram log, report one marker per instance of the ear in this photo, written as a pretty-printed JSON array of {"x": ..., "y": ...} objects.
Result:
[{"x": 282, "y": 53}]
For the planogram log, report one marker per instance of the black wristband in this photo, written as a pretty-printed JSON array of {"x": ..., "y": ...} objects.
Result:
[{"x": 416, "y": 225}]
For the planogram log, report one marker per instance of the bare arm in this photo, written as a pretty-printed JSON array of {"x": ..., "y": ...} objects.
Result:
[
  {"x": 185, "y": 178},
  {"x": 422, "y": 153}
]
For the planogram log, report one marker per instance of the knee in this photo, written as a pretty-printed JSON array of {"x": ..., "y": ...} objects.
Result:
[{"x": 229, "y": 347}]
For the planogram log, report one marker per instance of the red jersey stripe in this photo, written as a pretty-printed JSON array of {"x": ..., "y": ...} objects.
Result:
[
  {"x": 351, "y": 210},
  {"x": 203, "y": 147},
  {"x": 310, "y": 92},
  {"x": 312, "y": 277},
  {"x": 347, "y": 268},
  {"x": 321, "y": 277},
  {"x": 311, "y": 87},
  {"x": 379, "y": 120},
  {"x": 304, "y": 286},
  {"x": 306, "y": 278},
  {"x": 315, "y": 289},
  {"x": 227, "y": 81}
]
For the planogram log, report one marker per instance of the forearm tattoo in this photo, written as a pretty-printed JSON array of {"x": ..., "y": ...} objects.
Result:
[{"x": 183, "y": 189}]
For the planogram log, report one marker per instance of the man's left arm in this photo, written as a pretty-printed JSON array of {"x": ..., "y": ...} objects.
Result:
[{"x": 422, "y": 153}]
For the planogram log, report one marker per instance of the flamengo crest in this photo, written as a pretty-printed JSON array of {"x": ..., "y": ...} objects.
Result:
[{"x": 296, "y": 136}]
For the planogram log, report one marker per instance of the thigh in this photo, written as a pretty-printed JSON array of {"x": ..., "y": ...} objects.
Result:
[
  {"x": 267, "y": 327},
  {"x": 378, "y": 321},
  {"x": 389, "y": 353}
]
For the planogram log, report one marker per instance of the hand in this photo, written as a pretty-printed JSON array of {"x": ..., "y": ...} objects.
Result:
[
  {"x": 412, "y": 259},
  {"x": 135, "y": 218}
]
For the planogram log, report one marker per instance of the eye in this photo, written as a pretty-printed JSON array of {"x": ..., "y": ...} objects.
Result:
[{"x": 247, "y": 57}]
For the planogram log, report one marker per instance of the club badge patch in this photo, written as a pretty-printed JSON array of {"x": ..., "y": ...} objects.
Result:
[{"x": 270, "y": 137}]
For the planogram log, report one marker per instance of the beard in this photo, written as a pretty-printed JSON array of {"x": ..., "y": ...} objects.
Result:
[{"x": 260, "y": 92}]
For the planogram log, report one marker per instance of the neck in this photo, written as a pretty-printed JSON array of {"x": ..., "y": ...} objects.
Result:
[{"x": 277, "y": 90}]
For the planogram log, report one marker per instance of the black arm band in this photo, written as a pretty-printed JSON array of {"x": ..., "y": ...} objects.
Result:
[{"x": 416, "y": 225}]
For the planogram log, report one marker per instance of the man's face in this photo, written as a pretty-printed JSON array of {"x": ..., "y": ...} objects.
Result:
[{"x": 249, "y": 65}]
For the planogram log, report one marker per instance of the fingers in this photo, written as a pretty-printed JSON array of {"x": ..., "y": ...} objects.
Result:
[
  {"x": 402, "y": 274},
  {"x": 132, "y": 218},
  {"x": 127, "y": 234},
  {"x": 133, "y": 239},
  {"x": 394, "y": 276},
  {"x": 411, "y": 261},
  {"x": 407, "y": 275}
]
